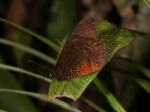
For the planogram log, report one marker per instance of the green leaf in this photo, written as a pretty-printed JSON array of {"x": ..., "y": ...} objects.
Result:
[
  {"x": 103, "y": 25},
  {"x": 114, "y": 39},
  {"x": 147, "y": 2}
]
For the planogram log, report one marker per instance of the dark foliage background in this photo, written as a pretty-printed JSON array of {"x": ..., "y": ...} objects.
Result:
[{"x": 56, "y": 18}]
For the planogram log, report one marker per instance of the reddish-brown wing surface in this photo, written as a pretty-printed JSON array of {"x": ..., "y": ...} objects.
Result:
[{"x": 83, "y": 52}]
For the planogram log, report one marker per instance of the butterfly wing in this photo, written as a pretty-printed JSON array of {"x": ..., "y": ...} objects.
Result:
[{"x": 82, "y": 54}]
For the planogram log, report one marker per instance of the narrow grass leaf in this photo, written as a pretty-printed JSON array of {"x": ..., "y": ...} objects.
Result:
[
  {"x": 112, "y": 100},
  {"x": 142, "y": 82},
  {"x": 145, "y": 84},
  {"x": 144, "y": 70},
  {"x": 29, "y": 50},
  {"x": 96, "y": 107},
  {"x": 16, "y": 69},
  {"x": 44, "y": 98},
  {"x": 147, "y": 2},
  {"x": 139, "y": 66},
  {"x": 43, "y": 39},
  {"x": 3, "y": 111}
]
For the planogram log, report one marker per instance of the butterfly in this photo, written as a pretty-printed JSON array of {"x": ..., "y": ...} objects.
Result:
[{"x": 82, "y": 54}]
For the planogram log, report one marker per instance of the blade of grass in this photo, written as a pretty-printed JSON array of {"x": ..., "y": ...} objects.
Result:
[
  {"x": 139, "y": 80},
  {"x": 43, "y": 39},
  {"x": 144, "y": 70},
  {"x": 16, "y": 69},
  {"x": 147, "y": 2},
  {"x": 139, "y": 66},
  {"x": 19, "y": 103},
  {"x": 2, "y": 111},
  {"x": 112, "y": 100},
  {"x": 29, "y": 50},
  {"x": 96, "y": 107},
  {"x": 142, "y": 82},
  {"x": 44, "y": 98}
]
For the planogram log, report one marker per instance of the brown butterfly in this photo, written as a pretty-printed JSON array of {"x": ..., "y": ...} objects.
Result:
[{"x": 83, "y": 52}]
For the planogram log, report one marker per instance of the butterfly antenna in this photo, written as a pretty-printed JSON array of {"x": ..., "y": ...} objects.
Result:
[
  {"x": 40, "y": 65},
  {"x": 51, "y": 71}
]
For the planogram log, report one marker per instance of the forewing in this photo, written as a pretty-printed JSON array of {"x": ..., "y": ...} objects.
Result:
[
  {"x": 78, "y": 55},
  {"x": 85, "y": 28}
]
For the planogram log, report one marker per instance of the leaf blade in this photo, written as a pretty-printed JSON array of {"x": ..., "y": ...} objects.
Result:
[{"x": 114, "y": 39}]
